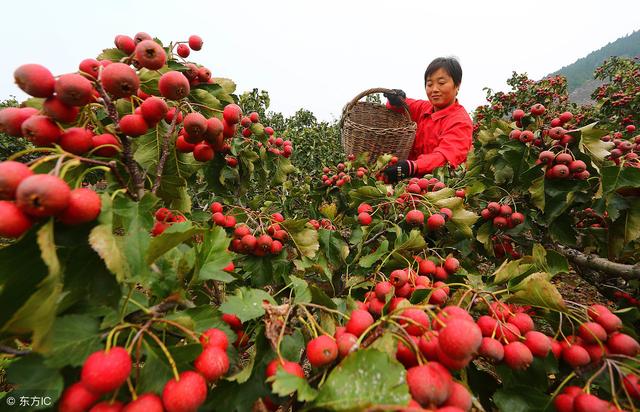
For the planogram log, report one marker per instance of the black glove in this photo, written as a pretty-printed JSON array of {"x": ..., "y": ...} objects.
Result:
[
  {"x": 396, "y": 98},
  {"x": 399, "y": 171}
]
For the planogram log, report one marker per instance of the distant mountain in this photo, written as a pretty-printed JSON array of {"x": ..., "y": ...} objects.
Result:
[{"x": 580, "y": 73}]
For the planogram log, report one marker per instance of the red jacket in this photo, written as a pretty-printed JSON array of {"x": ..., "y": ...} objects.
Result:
[{"x": 442, "y": 137}]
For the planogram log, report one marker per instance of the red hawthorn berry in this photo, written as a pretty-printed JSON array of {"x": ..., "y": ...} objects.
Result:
[{"x": 322, "y": 351}]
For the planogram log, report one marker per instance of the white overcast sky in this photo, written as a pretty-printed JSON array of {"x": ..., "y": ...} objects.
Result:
[{"x": 319, "y": 54}]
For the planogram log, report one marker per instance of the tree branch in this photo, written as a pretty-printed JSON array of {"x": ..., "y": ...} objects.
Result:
[
  {"x": 127, "y": 156},
  {"x": 600, "y": 264},
  {"x": 14, "y": 351},
  {"x": 164, "y": 153}
]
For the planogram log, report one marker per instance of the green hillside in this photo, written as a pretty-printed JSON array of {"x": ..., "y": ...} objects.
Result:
[{"x": 580, "y": 73}]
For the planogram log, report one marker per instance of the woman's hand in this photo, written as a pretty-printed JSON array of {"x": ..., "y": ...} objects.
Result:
[
  {"x": 396, "y": 98},
  {"x": 399, "y": 171}
]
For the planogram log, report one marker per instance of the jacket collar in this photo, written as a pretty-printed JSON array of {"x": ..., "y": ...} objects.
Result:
[{"x": 435, "y": 115}]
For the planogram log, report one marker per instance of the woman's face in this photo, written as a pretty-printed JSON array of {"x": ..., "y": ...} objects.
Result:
[{"x": 440, "y": 89}]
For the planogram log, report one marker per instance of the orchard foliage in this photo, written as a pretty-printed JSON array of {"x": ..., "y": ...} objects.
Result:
[{"x": 204, "y": 271}]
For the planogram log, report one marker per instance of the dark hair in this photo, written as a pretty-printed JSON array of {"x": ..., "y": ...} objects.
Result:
[{"x": 451, "y": 65}]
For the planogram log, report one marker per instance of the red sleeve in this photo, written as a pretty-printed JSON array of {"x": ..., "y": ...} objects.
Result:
[
  {"x": 416, "y": 107},
  {"x": 454, "y": 146}
]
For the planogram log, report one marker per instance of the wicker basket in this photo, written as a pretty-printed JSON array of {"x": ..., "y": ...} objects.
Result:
[{"x": 371, "y": 127}]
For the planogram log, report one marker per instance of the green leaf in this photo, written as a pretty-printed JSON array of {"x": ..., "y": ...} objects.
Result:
[
  {"x": 74, "y": 338},
  {"x": 170, "y": 238},
  {"x": 105, "y": 244},
  {"x": 368, "y": 260},
  {"x": 306, "y": 241},
  {"x": 111, "y": 54},
  {"x": 36, "y": 315},
  {"x": 334, "y": 247},
  {"x": 213, "y": 256},
  {"x": 536, "y": 290},
  {"x": 321, "y": 298},
  {"x": 536, "y": 190},
  {"x": 301, "y": 291},
  {"x": 591, "y": 145},
  {"x": 520, "y": 399},
  {"x": 246, "y": 303},
  {"x": 363, "y": 379},
  {"x": 616, "y": 177},
  {"x": 292, "y": 345},
  {"x": 625, "y": 229},
  {"x": 328, "y": 210},
  {"x": 33, "y": 377},
  {"x": 484, "y": 236},
  {"x": 284, "y": 384},
  {"x": 414, "y": 242},
  {"x": 511, "y": 269}
]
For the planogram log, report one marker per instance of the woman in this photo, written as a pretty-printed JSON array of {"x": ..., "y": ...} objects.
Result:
[{"x": 444, "y": 128}]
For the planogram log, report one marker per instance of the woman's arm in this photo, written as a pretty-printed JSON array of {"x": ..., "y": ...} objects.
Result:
[{"x": 454, "y": 145}]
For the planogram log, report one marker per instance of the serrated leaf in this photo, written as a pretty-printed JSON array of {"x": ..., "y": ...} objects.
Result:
[
  {"x": 104, "y": 243},
  {"x": 170, "y": 238},
  {"x": 536, "y": 190},
  {"x": 285, "y": 384},
  {"x": 73, "y": 338},
  {"x": 591, "y": 145},
  {"x": 484, "y": 236},
  {"x": 334, "y": 247},
  {"x": 319, "y": 297},
  {"x": 301, "y": 291},
  {"x": 112, "y": 54},
  {"x": 246, "y": 303},
  {"x": 414, "y": 242},
  {"x": 212, "y": 256},
  {"x": 363, "y": 379},
  {"x": 306, "y": 241},
  {"x": 615, "y": 177},
  {"x": 368, "y": 260},
  {"x": 536, "y": 290},
  {"x": 511, "y": 269}
]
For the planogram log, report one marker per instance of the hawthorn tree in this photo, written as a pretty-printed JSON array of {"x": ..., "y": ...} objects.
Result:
[{"x": 201, "y": 271}]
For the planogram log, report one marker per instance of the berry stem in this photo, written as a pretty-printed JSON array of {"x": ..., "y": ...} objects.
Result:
[
  {"x": 187, "y": 331},
  {"x": 164, "y": 349}
]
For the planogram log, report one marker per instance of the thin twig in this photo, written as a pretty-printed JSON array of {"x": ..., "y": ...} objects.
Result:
[{"x": 164, "y": 153}]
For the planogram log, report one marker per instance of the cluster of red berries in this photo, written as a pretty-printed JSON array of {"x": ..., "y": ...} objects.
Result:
[
  {"x": 204, "y": 137},
  {"x": 563, "y": 165},
  {"x": 575, "y": 399},
  {"x": 184, "y": 49},
  {"x": 277, "y": 145},
  {"x": 322, "y": 223},
  {"x": 165, "y": 218},
  {"x": 244, "y": 241},
  {"x": 25, "y": 197},
  {"x": 105, "y": 371},
  {"x": 625, "y": 151},
  {"x": 219, "y": 218},
  {"x": 338, "y": 179},
  {"x": 627, "y": 298},
  {"x": 590, "y": 218},
  {"x": 502, "y": 216},
  {"x": 504, "y": 245}
]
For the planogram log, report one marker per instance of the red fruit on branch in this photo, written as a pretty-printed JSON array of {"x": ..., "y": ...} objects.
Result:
[
  {"x": 212, "y": 363},
  {"x": 429, "y": 384},
  {"x": 11, "y": 174},
  {"x": 183, "y": 50},
  {"x": 195, "y": 42},
  {"x": 154, "y": 109},
  {"x": 84, "y": 206},
  {"x": 76, "y": 140},
  {"x": 58, "y": 111},
  {"x": 537, "y": 109},
  {"x": 105, "y": 371},
  {"x": 575, "y": 356},
  {"x": 518, "y": 114},
  {"x": 517, "y": 356},
  {"x": 359, "y": 321},
  {"x": 491, "y": 349},
  {"x": 538, "y": 343},
  {"x": 365, "y": 218},
  {"x": 107, "y": 406},
  {"x": 74, "y": 89},
  {"x": 435, "y": 222},
  {"x": 13, "y": 222},
  {"x": 203, "y": 152},
  {"x": 125, "y": 44},
  {"x": 148, "y": 402},
  {"x": 110, "y": 142},
  {"x": 120, "y": 80},
  {"x": 623, "y": 344},
  {"x": 41, "y": 131},
  {"x": 35, "y": 80},
  {"x": 195, "y": 125},
  {"x": 43, "y": 195},
  {"x": 322, "y": 351},
  {"x": 133, "y": 125},
  {"x": 460, "y": 339},
  {"x": 77, "y": 398},
  {"x": 416, "y": 322},
  {"x": 415, "y": 217},
  {"x": 150, "y": 55},
  {"x": 232, "y": 114},
  {"x": 173, "y": 85},
  {"x": 292, "y": 368},
  {"x": 185, "y": 394},
  {"x": 592, "y": 332}
]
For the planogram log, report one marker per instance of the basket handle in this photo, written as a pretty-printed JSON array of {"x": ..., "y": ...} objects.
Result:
[{"x": 367, "y": 92}]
